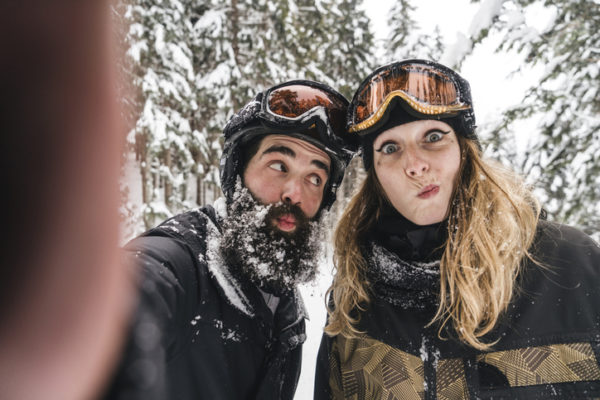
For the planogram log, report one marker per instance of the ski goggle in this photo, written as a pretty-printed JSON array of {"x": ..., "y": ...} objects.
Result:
[
  {"x": 428, "y": 89},
  {"x": 299, "y": 101}
]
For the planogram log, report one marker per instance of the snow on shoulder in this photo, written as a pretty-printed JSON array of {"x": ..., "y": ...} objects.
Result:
[{"x": 218, "y": 269}]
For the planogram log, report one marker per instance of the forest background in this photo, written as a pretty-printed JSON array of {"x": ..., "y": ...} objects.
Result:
[
  {"x": 534, "y": 67},
  {"x": 190, "y": 63}
]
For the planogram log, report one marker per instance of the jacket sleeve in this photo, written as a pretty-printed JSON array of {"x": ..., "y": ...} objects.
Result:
[
  {"x": 168, "y": 285},
  {"x": 167, "y": 292}
]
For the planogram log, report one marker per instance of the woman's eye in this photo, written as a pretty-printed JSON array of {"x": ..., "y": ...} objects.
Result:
[
  {"x": 315, "y": 180},
  {"x": 277, "y": 166},
  {"x": 433, "y": 137},
  {"x": 389, "y": 148}
]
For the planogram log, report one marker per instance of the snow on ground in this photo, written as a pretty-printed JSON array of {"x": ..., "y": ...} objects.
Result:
[{"x": 314, "y": 300}]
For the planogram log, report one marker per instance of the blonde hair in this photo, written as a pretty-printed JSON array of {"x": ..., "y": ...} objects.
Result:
[{"x": 492, "y": 223}]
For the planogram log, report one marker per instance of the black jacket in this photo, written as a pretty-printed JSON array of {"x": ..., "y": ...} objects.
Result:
[
  {"x": 548, "y": 340},
  {"x": 199, "y": 332}
]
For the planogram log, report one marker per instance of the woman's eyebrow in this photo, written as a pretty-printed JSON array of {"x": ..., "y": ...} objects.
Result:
[{"x": 440, "y": 130}]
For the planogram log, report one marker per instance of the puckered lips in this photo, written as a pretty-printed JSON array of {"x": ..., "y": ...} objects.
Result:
[
  {"x": 428, "y": 191},
  {"x": 286, "y": 222}
]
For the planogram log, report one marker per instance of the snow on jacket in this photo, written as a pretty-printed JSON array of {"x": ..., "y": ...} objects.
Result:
[
  {"x": 549, "y": 339},
  {"x": 199, "y": 332}
]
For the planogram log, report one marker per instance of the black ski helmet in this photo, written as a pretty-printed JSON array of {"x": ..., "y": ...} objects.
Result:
[
  {"x": 255, "y": 121},
  {"x": 398, "y": 103}
]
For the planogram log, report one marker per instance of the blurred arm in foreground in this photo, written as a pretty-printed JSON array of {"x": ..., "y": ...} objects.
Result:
[{"x": 64, "y": 298}]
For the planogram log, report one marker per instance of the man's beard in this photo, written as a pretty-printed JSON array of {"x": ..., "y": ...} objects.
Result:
[{"x": 255, "y": 248}]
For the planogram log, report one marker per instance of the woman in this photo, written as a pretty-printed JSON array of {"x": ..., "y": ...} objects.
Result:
[{"x": 449, "y": 285}]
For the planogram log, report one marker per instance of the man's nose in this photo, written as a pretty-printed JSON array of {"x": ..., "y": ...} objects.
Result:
[
  {"x": 292, "y": 191},
  {"x": 415, "y": 165}
]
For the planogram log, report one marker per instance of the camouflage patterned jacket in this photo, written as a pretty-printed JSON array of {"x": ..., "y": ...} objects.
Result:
[{"x": 549, "y": 340}]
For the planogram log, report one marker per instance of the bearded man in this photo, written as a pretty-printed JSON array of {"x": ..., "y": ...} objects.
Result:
[{"x": 220, "y": 316}]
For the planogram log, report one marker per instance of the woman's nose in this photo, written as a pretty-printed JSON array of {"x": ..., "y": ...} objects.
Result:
[{"x": 415, "y": 165}]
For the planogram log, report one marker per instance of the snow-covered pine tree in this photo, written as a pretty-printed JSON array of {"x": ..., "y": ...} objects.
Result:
[
  {"x": 242, "y": 47},
  {"x": 407, "y": 39},
  {"x": 563, "y": 155},
  {"x": 306, "y": 31},
  {"x": 159, "y": 34},
  {"x": 197, "y": 61},
  {"x": 346, "y": 58},
  {"x": 130, "y": 107},
  {"x": 212, "y": 50}
]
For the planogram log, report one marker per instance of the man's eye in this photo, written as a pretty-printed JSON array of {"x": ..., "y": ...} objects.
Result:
[
  {"x": 388, "y": 148},
  {"x": 433, "y": 137},
  {"x": 315, "y": 180},
  {"x": 277, "y": 166}
]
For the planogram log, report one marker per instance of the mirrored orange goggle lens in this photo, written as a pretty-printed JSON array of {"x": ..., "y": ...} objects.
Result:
[
  {"x": 296, "y": 100},
  {"x": 423, "y": 83}
]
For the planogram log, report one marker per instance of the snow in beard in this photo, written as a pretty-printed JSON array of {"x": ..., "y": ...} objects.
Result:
[{"x": 254, "y": 247}]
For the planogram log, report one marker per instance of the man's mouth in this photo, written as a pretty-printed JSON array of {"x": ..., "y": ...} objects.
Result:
[
  {"x": 286, "y": 222},
  {"x": 428, "y": 191}
]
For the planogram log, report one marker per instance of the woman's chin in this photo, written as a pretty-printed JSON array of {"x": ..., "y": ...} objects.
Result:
[{"x": 425, "y": 219}]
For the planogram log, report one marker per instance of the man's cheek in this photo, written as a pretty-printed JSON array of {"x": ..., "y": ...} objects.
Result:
[{"x": 263, "y": 197}]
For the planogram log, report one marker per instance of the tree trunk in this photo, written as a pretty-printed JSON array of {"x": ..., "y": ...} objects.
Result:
[
  {"x": 167, "y": 180},
  {"x": 234, "y": 16},
  {"x": 142, "y": 157},
  {"x": 199, "y": 179}
]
